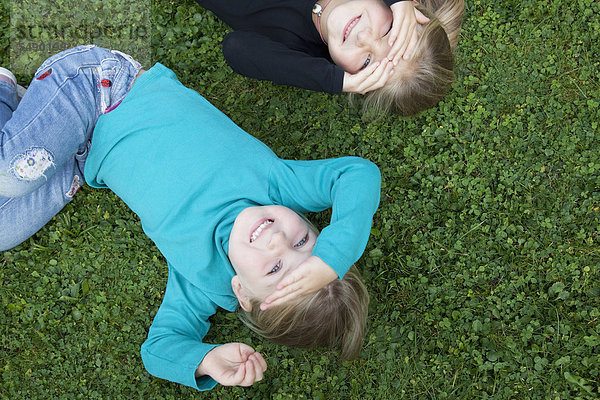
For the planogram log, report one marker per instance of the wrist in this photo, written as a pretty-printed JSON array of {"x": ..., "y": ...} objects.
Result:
[
  {"x": 345, "y": 82},
  {"x": 204, "y": 366},
  {"x": 327, "y": 272}
]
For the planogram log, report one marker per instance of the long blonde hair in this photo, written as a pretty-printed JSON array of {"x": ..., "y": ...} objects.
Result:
[
  {"x": 422, "y": 81},
  {"x": 334, "y": 316}
]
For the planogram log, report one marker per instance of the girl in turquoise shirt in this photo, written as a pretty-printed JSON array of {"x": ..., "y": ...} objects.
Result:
[{"x": 222, "y": 208}]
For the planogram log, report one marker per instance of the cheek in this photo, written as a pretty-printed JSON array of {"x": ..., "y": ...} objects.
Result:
[
  {"x": 299, "y": 257},
  {"x": 233, "y": 252},
  {"x": 240, "y": 259},
  {"x": 334, "y": 53},
  {"x": 383, "y": 19},
  {"x": 381, "y": 52},
  {"x": 345, "y": 58}
]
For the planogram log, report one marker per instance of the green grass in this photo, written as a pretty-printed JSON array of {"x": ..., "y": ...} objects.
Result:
[{"x": 483, "y": 265}]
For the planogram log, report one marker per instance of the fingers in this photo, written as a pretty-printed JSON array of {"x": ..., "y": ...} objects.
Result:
[
  {"x": 404, "y": 34},
  {"x": 281, "y": 296},
  {"x": 405, "y": 39},
  {"x": 284, "y": 287},
  {"x": 295, "y": 281},
  {"x": 245, "y": 351},
  {"x": 311, "y": 275},
  {"x": 304, "y": 285},
  {"x": 234, "y": 364},
  {"x": 265, "y": 305},
  {"x": 378, "y": 77},
  {"x": 254, "y": 360},
  {"x": 249, "y": 374},
  {"x": 261, "y": 361},
  {"x": 397, "y": 37},
  {"x": 411, "y": 43},
  {"x": 260, "y": 366},
  {"x": 403, "y": 17},
  {"x": 421, "y": 18},
  {"x": 239, "y": 377},
  {"x": 393, "y": 36},
  {"x": 290, "y": 279},
  {"x": 253, "y": 370},
  {"x": 404, "y": 45},
  {"x": 413, "y": 36}
]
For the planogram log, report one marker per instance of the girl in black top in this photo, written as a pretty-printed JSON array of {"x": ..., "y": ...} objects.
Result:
[{"x": 292, "y": 42}]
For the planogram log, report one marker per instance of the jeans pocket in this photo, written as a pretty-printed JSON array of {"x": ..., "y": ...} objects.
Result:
[
  {"x": 136, "y": 65},
  {"x": 52, "y": 59}
]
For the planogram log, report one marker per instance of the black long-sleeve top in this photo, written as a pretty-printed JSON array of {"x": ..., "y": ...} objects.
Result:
[{"x": 276, "y": 40}]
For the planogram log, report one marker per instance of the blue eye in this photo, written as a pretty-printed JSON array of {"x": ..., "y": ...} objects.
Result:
[
  {"x": 301, "y": 243},
  {"x": 367, "y": 61},
  {"x": 275, "y": 268}
]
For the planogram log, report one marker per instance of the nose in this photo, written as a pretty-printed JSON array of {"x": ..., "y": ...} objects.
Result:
[
  {"x": 362, "y": 37},
  {"x": 277, "y": 241}
]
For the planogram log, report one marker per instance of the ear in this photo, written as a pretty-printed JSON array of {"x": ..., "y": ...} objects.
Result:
[{"x": 240, "y": 293}]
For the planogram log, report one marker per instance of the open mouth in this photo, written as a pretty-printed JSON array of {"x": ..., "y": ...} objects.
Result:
[
  {"x": 256, "y": 232},
  {"x": 349, "y": 26}
]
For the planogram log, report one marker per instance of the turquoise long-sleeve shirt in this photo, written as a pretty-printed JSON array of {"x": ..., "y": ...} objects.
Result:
[{"x": 187, "y": 171}]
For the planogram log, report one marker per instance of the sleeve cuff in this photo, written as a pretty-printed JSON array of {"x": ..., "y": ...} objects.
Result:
[
  {"x": 390, "y": 2},
  {"x": 181, "y": 371}
]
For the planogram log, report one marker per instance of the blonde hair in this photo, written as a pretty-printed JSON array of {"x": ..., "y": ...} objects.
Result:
[
  {"x": 334, "y": 316},
  {"x": 422, "y": 81}
]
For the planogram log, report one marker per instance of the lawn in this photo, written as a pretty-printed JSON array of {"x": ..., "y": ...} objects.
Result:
[{"x": 484, "y": 259}]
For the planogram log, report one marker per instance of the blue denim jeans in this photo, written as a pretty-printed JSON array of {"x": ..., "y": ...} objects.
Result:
[{"x": 45, "y": 138}]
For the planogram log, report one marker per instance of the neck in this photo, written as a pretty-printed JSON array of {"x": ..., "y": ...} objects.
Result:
[{"x": 320, "y": 13}]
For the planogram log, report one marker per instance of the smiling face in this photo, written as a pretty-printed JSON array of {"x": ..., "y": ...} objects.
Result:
[
  {"x": 265, "y": 244},
  {"x": 357, "y": 33}
]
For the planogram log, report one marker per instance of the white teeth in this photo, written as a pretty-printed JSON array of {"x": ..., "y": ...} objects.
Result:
[
  {"x": 259, "y": 230},
  {"x": 350, "y": 27}
]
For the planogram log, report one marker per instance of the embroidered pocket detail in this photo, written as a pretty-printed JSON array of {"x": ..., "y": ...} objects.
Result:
[
  {"x": 44, "y": 75},
  {"x": 32, "y": 164}
]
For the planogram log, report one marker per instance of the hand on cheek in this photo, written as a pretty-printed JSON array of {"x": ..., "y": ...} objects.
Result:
[
  {"x": 310, "y": 276},
  {"x": 404, "y": 34},
  {"x": 371, "y": 78}
]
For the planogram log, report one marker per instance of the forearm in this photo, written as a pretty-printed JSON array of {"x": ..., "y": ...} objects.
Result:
[
  {"x": 350, "y": 186},
  {"x": 178, "y": 360},
  {"x": 175, "y": 346},
  {"x": 343, "y": 241},
  {"x": 253, "y": 55}
]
